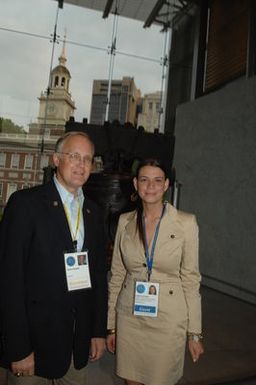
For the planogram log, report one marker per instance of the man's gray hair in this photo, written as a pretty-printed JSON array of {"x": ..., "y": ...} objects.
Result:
[{"x": 61, "y": 141}]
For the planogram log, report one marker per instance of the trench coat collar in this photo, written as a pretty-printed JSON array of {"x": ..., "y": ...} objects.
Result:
[
  {"x": 170, "y": 212},
  {"x": 169, "y": 223}
]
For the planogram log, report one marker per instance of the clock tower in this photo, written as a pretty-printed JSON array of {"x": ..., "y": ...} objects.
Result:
[{"x": 56, "y": 104}]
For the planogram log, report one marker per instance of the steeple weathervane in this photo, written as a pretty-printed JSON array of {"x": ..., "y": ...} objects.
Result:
[{"x": 62, "y": 57}]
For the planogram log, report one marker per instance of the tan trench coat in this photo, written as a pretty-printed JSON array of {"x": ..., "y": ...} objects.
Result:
[{"x": 151, "y": 350}]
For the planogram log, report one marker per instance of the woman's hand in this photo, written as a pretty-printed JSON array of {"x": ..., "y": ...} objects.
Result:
[
  {"x": 111, "y": 342},
  {"x": 196, "y": 349}
]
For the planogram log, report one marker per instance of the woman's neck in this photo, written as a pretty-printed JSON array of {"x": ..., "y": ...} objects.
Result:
[{"x": 152, "y": 212}]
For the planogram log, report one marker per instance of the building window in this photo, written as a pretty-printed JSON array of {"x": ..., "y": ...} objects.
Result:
[
  {"x": 44, "y": 161},
  {"x": 13, "y": 175},
  {"x": 12, "y": 187},
  {"x": 15, "y": 161},
  {"x": 24, "y": 186},
  {"x": 150, "y": 106},
  {"x": 1, "y": 189},
  {"x": 63, "y": 82},
  {"x": 26, "y": 176},
  {"x": 2, "y": 159},
  {"x": 28, "y": 162},
  {"x": 56, "y": 81}
]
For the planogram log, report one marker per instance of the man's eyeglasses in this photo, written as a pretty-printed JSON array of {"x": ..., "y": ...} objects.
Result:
[{"x": 76, "y": 158}]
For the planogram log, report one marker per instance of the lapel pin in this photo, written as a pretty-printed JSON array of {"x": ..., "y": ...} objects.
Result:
[
  {"x": 172, "y": 236},
  {"x": 88, "y": 211},
  {"x": 55, "y": 203}
]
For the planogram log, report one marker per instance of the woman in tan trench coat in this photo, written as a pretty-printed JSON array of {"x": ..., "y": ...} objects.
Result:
[{"x": 154, "y": 245}]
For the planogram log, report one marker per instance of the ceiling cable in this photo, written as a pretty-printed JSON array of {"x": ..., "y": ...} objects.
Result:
[
  {"x": 84, "y": 45},
  {"x": 112, "y": 52}
]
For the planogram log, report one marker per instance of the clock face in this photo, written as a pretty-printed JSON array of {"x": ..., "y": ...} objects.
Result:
[{"x": 51, "y": 109}]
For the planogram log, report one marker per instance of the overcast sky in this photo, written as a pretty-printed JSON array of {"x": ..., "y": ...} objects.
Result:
[{"x": 25, "y": 60}]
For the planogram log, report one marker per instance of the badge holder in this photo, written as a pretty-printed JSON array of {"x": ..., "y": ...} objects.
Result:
[
  {"x": 146, "y": 299},
  {"x": 77, "y": 270}
]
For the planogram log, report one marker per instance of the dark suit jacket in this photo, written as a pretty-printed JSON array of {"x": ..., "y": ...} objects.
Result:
[{"x": 38, "y": 312}]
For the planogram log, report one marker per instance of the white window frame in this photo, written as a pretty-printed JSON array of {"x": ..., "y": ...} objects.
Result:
[
  {"x": 15, "y": 162},
  {"x": 44, "y": 161},
  {"x": 2, "y": 159},
  {"x": 28, "y": 166},
  {"x": 11, "y": 188}
]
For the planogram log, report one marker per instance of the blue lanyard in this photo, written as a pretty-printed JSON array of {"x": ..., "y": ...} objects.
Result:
[{"x": 150, "y": 258}]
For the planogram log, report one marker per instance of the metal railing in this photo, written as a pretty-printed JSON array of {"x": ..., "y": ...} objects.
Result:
[{"x": 26, "y": 138}]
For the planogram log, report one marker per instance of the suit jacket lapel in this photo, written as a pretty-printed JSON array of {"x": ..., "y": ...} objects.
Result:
[
  {"x": 57, "y": 215},
  {"x": 87, "y": 224}
]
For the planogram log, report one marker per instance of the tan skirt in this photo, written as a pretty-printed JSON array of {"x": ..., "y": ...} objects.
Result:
[{"x": 149, "y": 352}]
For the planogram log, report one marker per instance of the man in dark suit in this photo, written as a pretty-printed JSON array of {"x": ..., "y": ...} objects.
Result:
[{"x": 53, "y": 312}]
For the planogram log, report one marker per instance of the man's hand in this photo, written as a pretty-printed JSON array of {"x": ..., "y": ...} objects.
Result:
[
  {"x": 97, "y": 348},
  {"x": 24, "y": 367}
]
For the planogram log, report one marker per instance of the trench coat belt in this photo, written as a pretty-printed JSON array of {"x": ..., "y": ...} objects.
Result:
[{"x": 140, "y": 277}]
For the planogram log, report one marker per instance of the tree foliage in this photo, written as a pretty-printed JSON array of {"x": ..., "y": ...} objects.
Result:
[{"x": 9, "y": 127}]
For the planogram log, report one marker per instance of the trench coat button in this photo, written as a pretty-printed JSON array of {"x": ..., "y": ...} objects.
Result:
[
  {"x": 172, "y": 236},
  {"x": 144, "y": 265},
  {"x": 171, "y": 292}
]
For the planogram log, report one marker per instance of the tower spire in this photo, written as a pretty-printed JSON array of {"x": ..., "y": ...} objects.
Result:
[{"x": 62, "y": 57}]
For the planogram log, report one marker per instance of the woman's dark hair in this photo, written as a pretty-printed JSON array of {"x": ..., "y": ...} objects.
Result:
[
  {"x": 146, "y": 162},
  {"x": 151, "y": 162}
]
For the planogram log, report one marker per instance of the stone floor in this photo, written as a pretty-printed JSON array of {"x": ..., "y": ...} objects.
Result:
[{"x": 230, "y": 349}]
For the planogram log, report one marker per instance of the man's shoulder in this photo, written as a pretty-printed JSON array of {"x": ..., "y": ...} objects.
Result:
[
  {"x": 30, "y": 197},
  {"x": 28, "y": 193},
  {"x": 25, "y": 204},
  {"x": 92, "y": 205}
]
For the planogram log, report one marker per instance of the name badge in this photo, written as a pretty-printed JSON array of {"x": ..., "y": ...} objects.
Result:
[
  {"x": 146, "y": 299},
  {"x": 77, "y": 270}
]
